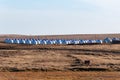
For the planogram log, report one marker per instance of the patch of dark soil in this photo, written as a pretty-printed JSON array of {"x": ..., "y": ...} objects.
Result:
[
  {"x": 9, "y": 53},
  {"x": 87, "y": 69}
]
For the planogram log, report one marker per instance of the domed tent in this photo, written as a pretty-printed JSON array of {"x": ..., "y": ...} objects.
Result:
[
  {"x": 63, "y": 41},
  {"x": 93, "y": 41},
  {"x": 56, "y": 41},
  {"x": 53, "y": 41},
  {"x": 7, "y": 40},
  {"x": 11, "y": 41},
  {"x": 22, "y": 41},
  {"x": 28, "y": 41},
  {"x": 16, "y": 41},
  {"x": 48, "y": 42},
  {"x": 60, "y": 41},
  {"x": 99, "y": 41},
  {"x": 107, "y": 40},
  {"x": 82, "y": 42},
  {"x": 68, "y": 42},
  {"x": 75, "y": 41},
  {"x": 86, "y": 41},
  {"x": 115, "y": 40},
  {"x": 38, "y": 41},
  {"x": 33, "y": 41},
  {"x": 89, "y": 42},
  {"x": 45, "y": 42}
]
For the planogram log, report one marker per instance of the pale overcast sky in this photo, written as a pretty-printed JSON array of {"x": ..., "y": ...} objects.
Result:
[{"x": 41, "y": 17}]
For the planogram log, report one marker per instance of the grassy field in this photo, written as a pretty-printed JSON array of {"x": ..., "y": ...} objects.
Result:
[
  {"x": 60, "y": 62},
  {"x": 59, "y": 57},
  {"x": 60, "y": 76}
]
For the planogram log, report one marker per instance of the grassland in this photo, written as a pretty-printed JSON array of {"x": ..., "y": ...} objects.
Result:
[
  {"x": 60, "y": 76},
  {"x": 59, "y": 57},
  {"x": 60, "y": 62}
]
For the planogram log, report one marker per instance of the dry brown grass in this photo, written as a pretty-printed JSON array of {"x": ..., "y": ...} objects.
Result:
[
  {"x": 64, "y": 58},
  {"x": 60, "y": 76},
  {"x": 58, "y": 57}
]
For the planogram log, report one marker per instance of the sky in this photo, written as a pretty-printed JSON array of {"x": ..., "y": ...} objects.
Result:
[{"x": 53, "y": 17}]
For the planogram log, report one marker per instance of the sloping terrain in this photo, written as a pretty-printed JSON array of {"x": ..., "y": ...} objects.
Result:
[{"x": 59, "y": 57}]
